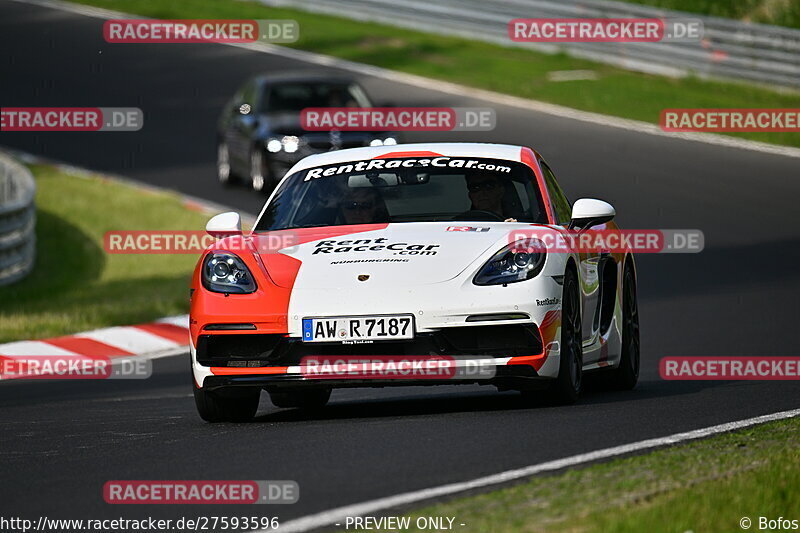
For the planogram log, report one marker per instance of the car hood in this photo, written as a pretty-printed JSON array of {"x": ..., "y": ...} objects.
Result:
[
  {"x": 285, "y": 124},
  {"x": 402, "y": 254}
]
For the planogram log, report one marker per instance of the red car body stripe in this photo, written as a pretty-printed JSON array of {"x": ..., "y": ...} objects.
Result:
[
  {"x": 167, "y": 331},
  {"x": 527, "y": 156},
  {"x": 603, "y": 350},
  {"x": 268, "y": 307},
  {"x": 548, "y": 330},
  {"x": 395, "y": 155},
  {"x": 536, "y": 361},
  {"x": 283, "y": 269},
  {"x": 256, "y": 370}
]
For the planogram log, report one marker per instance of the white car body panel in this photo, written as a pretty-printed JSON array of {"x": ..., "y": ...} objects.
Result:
[{"x": 437, "y": 288}]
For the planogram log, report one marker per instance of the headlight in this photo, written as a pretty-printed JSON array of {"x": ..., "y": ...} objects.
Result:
[
  {"x": 388, "y": 141},
  {"x": 290, "y": 144},
  {"x": 274, "y": 145},
  {"x": 518, "y": 261},
  {"x": 225, "y": 272}
]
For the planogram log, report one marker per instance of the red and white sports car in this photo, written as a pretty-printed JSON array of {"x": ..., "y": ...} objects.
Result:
[{"x": 409, "y": 264}]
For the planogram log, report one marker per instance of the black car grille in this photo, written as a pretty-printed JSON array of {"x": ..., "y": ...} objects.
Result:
[
  {"x": 215, "y": 349},
  {"x": 249, "y": 350},
  {"x": 327, "y": 145},
  {"x": 324, "y": 142}
]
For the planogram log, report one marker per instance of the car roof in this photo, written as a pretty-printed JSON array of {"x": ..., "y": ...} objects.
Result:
[{"x": 495, "y": 151}]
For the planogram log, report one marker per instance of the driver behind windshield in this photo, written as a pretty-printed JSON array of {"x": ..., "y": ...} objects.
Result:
[
  {"x": 338, "y": 97},
  {"x": 363, "y": 205},
  {"x": 486, "y": 193}
]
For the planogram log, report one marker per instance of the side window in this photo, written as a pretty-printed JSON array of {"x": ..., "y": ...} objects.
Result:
[{"x": 561, "y": 206}]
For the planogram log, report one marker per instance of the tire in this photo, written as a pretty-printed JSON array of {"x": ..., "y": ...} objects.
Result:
[
  {"x": 308, "y": 399},
  {"x": 225, "y": 174},
  {"x": 260, "y": 176},
  {"x": 234, "y": 405},
  {"x": 567, "y": 386},
  {"x": 626, "y": 375}
]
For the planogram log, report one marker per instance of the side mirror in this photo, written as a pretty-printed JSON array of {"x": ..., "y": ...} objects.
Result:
[
  {"x": 588, "y": 212},
  {"x": 225, "y": 225}
]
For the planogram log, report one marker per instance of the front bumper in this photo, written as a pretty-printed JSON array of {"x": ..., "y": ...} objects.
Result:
[
  {"x": 241, "y": 350},
  {"x": 451, "y": 319},
  {"x": 508, "y": 377},
  {"x": 514, "y": 352}
]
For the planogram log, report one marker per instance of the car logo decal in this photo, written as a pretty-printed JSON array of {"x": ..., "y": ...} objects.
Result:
[
  {"x": 466, "y": 228},
  {"x": 363, "y": 277}
]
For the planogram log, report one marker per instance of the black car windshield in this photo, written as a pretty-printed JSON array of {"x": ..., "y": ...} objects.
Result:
[
  {"x": 419, "y": 189},
  {"x": 294, "y": 97}
]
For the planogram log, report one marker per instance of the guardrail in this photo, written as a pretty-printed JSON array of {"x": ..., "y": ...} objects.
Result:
[
  {"x": 730, "y": 49},
  {"x": 17, "y": 221}
]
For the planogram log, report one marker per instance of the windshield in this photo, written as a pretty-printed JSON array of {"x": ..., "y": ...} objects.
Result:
[
  {"x": 429, "y": 189},
  {"x": 294, "y": 97}
]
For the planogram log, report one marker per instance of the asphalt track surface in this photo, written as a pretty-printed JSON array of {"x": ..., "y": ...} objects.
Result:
[{"x": 61, "y": 441}]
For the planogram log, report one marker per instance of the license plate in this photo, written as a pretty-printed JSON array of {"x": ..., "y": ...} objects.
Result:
[{"x": 358, "y": 328}]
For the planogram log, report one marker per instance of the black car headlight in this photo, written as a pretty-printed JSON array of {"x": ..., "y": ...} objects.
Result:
[
  {"x": 387, "y": 141},
  {"x": 288, "y": 143},
  {"x": 518, "y": 261},
  {"x": 225, "y": 272}
]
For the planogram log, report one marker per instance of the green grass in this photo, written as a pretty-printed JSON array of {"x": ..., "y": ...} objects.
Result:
[
  {"x": 703, "y": 486},
  {"x": 507, "y": 70},
  {"x": 778, "y": 12},
  {"x": 75, "y": 285}
]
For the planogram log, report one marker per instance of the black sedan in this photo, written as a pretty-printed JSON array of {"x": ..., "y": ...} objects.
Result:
[{"x": 259, "y": 135}]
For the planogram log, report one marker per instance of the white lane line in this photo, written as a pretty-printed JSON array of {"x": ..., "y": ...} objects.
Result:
[
  {"x": 338, "y": 515},
  {"x": 180, "y": 321},
  {"x": 34, "y": 348},
  {"x": 130, "y": 339},
  {"x": 459, "y": 90}
]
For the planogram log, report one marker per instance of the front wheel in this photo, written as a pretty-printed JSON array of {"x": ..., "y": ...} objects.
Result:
[
  {"x": 567, "y": 386},
  {"x": 260, "y": 176},
  {"x": 224, "y": 173},
  {"x": 227, "y": 405},
  {"x": 627, "y": 374}
]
